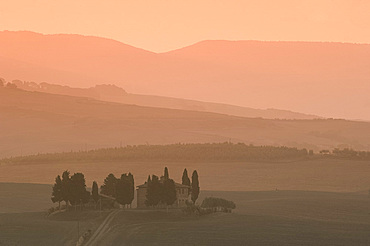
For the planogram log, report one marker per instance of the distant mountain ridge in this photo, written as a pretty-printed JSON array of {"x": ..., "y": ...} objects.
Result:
[
  {"x": 328, "y": 79},
  {"x": 113, "y": 93}
]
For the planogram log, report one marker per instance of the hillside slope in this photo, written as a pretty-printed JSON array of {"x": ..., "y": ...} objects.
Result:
[
  {"x": 327, "y": 79},
  {"x": 34, "y": 122},
  {"x": 112, "y": 93}
]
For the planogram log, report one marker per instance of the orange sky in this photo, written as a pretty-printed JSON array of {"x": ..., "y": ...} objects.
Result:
[{"x": 162, "y": 25}]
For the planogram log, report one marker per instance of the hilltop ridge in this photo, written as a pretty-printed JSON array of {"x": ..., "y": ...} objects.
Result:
[{"x": 308, "y": 77}]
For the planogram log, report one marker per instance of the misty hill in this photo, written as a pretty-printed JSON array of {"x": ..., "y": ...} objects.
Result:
[
  {"x": 327, "y": 79},
  {"x": 34, "y": 122},
  {"x": 113, "y": 93},
  {"x": 173, "y": 152}
]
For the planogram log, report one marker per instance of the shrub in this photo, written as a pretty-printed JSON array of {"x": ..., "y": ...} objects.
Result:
[{"x": 213, "y": 202}]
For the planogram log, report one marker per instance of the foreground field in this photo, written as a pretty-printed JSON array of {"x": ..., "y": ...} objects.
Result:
[
  {"x": 317, "y": 175},
  {"x": 35, "y": 229},
  {"x": 261, "y": 218}
]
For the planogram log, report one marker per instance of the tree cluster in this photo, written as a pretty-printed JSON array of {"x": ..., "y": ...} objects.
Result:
[
  {"x": 5, "y": 84},
  {"x": 70, "y": 189},
  {"x": 160, "y": 192},
  {"x": 163, "y": 191},
  {"x": 123, "y": 188},
  {"x": 173, "y": 152}
]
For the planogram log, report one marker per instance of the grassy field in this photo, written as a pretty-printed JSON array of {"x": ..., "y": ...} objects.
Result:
[
  {"x": 18, "y": 198},
  {"x": 23, "y": 218},
  {"x": 35, "y": 229},
  {"x": 261, "y": 218},
  {"x": 317, "y": 175}
]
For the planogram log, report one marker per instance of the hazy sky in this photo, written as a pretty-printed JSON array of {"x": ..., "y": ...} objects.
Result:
[{"x": 161, "y": 25}]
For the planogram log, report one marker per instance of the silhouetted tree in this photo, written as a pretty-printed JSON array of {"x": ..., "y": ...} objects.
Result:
[
  {"x": 2, "y": 82},
  {"x": 166, "y": 175},
  {"x": 185, "y": 178},
  {"x": 121, "y": 191},
  {"x": 131, "y": 180},
  {"x": 168, "y": 192},
  {"x": 195, "y": 189},
  {"x": 95, "y": 192},
  {"x": 109, "y": 186},
  {"x": 153, "y": 194},
  {"x": 125, "y": 189},
  {"x": 66, "y": 187},
  {"x": 213, "y": 202},
  {"x": 79, "y": 194},
  {"x": 57, "y": 195}
]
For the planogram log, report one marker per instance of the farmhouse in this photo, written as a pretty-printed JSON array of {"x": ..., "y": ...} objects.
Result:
[{"x": 182, "y": 194}]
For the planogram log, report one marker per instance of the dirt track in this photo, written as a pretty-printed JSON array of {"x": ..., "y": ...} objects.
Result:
[{"x": 102, "y": 229}]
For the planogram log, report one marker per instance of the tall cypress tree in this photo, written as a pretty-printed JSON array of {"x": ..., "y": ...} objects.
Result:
[
  {"x": 168, "y": 192},
  {"x": 132, "y": 188},
  {"x": 57, "y": 195},
  {"x": 79, "y": 194},
  {"x": 195, "y": 189},
  {"x": 121, "y": 190},
  {"x": 125, "y": 189},
  {"x": 66, "y": 187},
  {"x": 95, "y": 192},
  {"x": 185, "y": 178},
  {"x": 166, "y": 175},
  {"x": 153, "y": 194}
]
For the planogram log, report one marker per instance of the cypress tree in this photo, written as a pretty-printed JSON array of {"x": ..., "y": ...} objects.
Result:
[
  {"x": 132, "y": 188},
  {"x": 195, "y": 189},
  {"x": 66, "y": 187},
  {"x": 121, "y": 191},
  {"x": 153, "y": 194},
  {"x": 149, "y": 193},
  {"x": 95, "y": 192},
  {"x": 125, "y": 189},
  {"x": 79, "y": 194},
  {"x": 57, "y": 195},
  {"x": 168, "y": 192},
  {"x": 166, "y": 175},
  {"x": 185, "y": 178}
]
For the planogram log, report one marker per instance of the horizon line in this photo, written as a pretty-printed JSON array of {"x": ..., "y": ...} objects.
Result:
[{"x": 182, "y": 47}]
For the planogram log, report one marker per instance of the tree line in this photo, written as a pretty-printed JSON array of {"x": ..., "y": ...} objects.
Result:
[
  {"x": 172, "y": 152},
  {"x": 72, "y": 189},
  {"x": 346, "y": 153}
]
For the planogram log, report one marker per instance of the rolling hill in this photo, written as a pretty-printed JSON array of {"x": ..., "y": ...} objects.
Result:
[
  {"x": 112, "y": 93},
  {"x": 327, "y": 79},
  {"x": 35, "y": 122}
]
